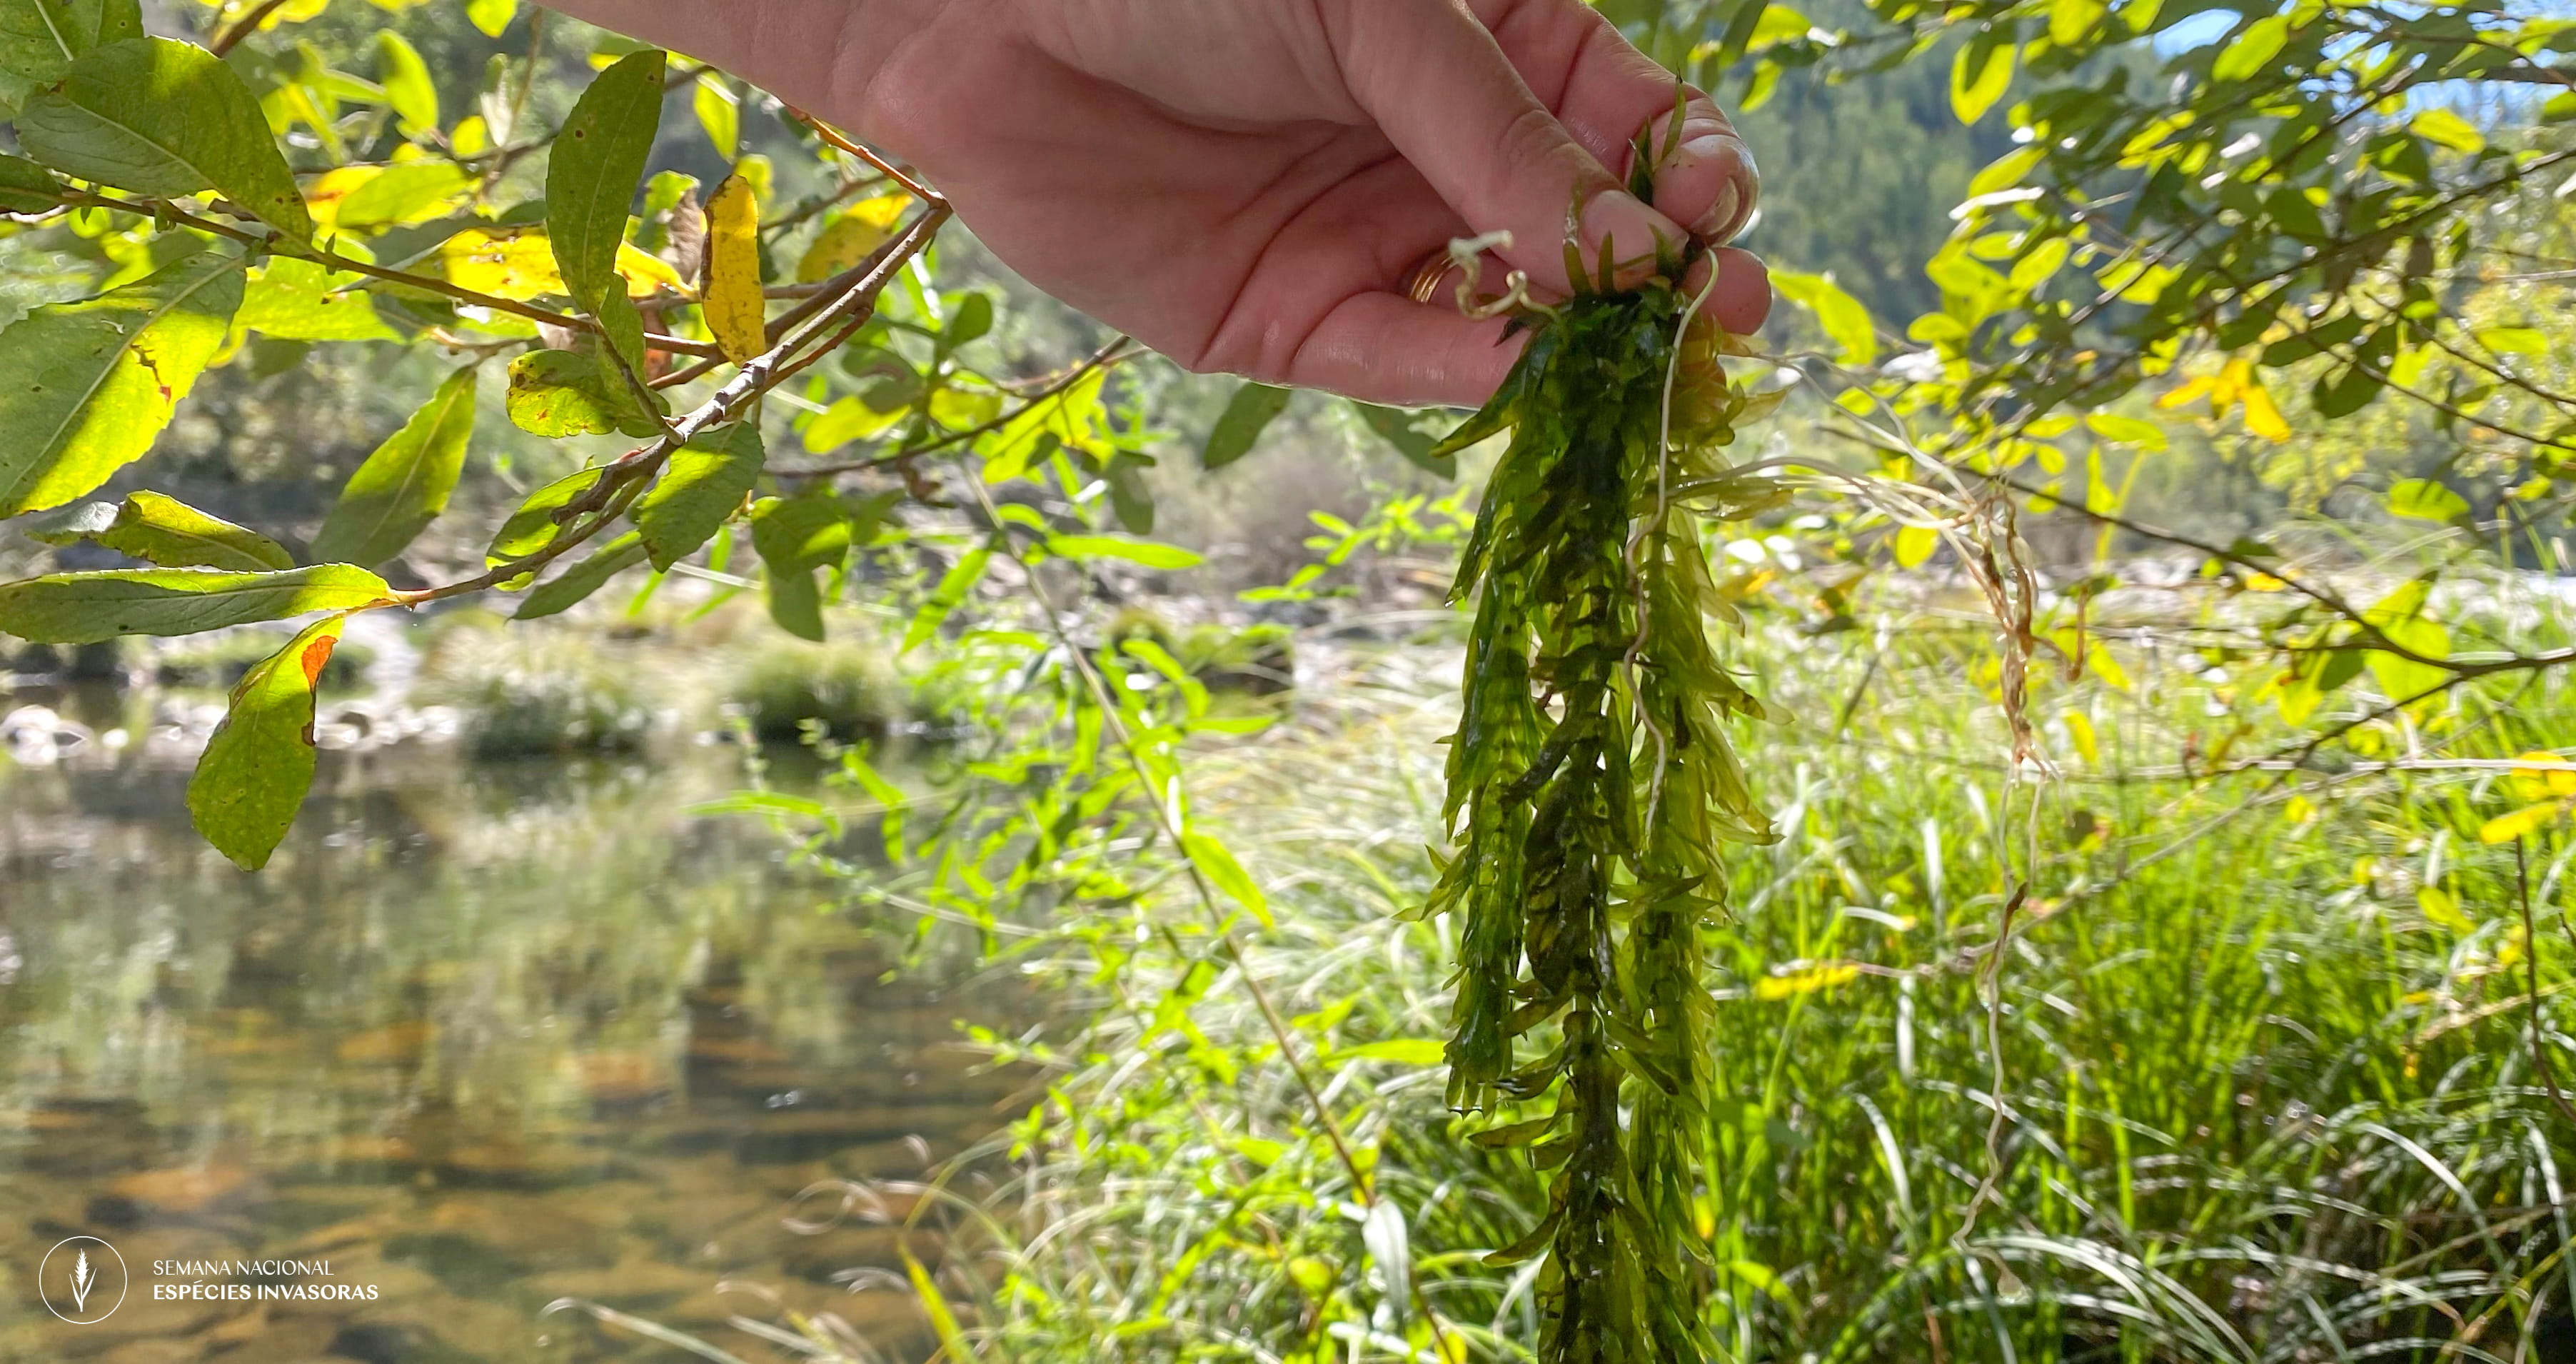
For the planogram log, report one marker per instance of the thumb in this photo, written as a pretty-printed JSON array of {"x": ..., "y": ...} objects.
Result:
[{"x": 1450, "y": 101}]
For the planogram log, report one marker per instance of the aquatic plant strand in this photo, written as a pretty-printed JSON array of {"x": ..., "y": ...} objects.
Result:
[{"x": 1590, "y": 781}]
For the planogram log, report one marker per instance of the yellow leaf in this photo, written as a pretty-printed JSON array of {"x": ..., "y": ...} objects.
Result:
[
  {"x": 850, "y": 236},
  {"x": 323, "y": 193},
  {"x": 2530, "y": 819},
  {"x": 736, "y": 310},
  {"x": 1914, "y": 544},
  {"x": 1808, "y": 981},
  {"x": 515, "y": 263},
  {"x": 2079, "y": 731},
  {"x": 2187, "y": 391},
  {"x": 2230, "y": 385},
  {"x": 2549, "y": 775},
  {"x": 645, "y": 272},
  {"x": 2261, "y": 417}
]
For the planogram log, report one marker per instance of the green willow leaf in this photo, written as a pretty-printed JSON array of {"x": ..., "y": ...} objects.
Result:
[
  {"x": 170, "y": 533},
  {"x": 1396, "y": 427},
  {"x": 400, "y": 193},
  {"x": 556, "y": 393},
  {"x": 166, "y": 119},
  {"x": 1145, "y": 552},
  {"x": 797, "y": 537},
  {"x": 40, "y": 39},
  {"x": 258, "y": 766},
  {"x": 90, "y": 384},
  {"x": 596, "y": 168},
  {"x": 405, "y": 484},
  {"x": 1247, "y": 414},
  {"x": 409, "y": 91},
  {"x": 84, "y": 608},
  {"x": 1216, "y": 862},
  {"x": 700, "y": 489},
  {"x": 300, "y": 300},
  {"x": 26, "y": 187},
  {"x": 569, "y": 589},
  {"x": 533, "y": 526}
]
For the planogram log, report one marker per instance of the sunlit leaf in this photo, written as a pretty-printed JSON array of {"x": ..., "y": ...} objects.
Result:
[
  {"x": 171, "y": 534},
  {"x": 409, "y": 91},
  {"x": 84, "y": 608},
  {"x": 299, "y": 300},
  {"x": 700, "y": 489},
  {"x": 1145, "y": 552},
  {"x": 737, "y": 312},
  {"x": 556, "y": 393},
  {"x": 574, "y": 585},
  {"x": 166, "y": 119},
  {"x": 2423, "y": 499},
  {"x": 596, "y": 170},
  {"x": 40, "y": 39},
  {"x": 406, "y": 482},
  {"x": 258, "y": 766},
  {"x": 850, "y": 236},
  {"x": 91, "y": 384},
  {"x": 1979, "y": 75},
  {"x": 2526, "y": 821}
]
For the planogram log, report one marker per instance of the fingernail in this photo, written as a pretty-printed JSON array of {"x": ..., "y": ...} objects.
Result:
[
  {"x": 1637, "y": 235},
  {"x": 1710, "y": 145},
  {"x": 1716, "y": 225}
]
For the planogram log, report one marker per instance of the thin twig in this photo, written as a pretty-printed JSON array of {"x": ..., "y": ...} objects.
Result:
[
  {"x": 840, "y": 141},
  {"x": 247, "y": 25}
]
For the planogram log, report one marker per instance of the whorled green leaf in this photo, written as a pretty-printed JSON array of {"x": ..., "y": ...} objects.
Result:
[
  {"x": 556, "y": 393},
  {"x": 699, "y": 490},
  {"x": 570, "y": 588},
  {"x": 40, "y": 39},
  {"x": 90, "y": 384},
  {"x": 1247, "y": 414},
  {"x": 796, "y": 537},
  {"x": 405, "y": 484},
  {"x": 299, "y": 300},
  {"x": 595, "y": 170},
  {"x": 164, "y": 531},
  {"x": 165, "y": 119},
  {"x": 258, "y": 766},
  {"x": 84, "y": 608}
]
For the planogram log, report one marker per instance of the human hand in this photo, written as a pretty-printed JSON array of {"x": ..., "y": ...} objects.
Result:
[{"x": 1246, "y": 185}]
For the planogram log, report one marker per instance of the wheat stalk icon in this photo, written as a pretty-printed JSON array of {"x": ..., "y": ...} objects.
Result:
[{"x": 84, "y": 1279}]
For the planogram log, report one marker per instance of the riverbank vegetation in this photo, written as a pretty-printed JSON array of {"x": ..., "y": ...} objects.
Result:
[{"x": 2156, "y": 601}]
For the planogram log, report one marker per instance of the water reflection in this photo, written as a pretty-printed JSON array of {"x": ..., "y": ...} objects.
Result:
[{"x": 480, "y": 1037}]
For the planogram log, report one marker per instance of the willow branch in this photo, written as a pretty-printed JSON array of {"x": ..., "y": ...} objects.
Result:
[{"x": 623, "y": 479}]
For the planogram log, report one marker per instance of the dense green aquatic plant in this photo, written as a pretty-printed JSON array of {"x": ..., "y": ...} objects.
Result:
[{"x": 1591, "y": 780}]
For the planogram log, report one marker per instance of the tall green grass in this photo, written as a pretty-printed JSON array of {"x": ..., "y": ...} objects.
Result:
[{"x": 2254, "y": 1076}]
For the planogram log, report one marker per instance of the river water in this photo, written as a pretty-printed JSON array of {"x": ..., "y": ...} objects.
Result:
[{"x": 482, "y": 1037}]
